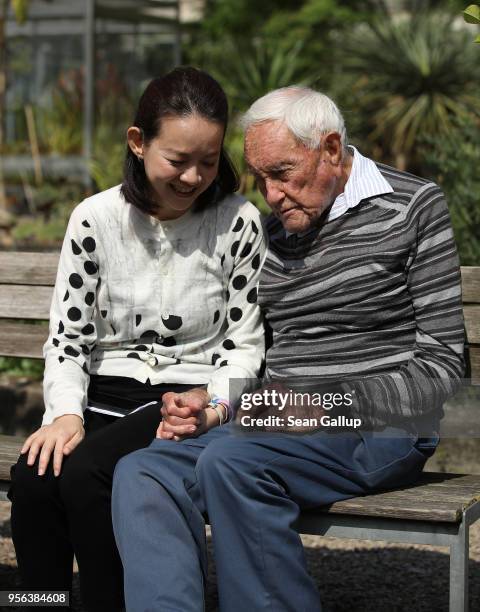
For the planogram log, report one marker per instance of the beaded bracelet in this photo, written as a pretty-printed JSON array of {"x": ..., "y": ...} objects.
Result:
[{"x": 215, "y": 403}]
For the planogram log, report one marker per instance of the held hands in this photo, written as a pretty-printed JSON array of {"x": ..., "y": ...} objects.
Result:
[
  {"x": 59, "y": 438},
  {"x": 185, "y": 415}
]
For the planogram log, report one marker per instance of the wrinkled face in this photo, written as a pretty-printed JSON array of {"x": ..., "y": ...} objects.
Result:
[
  {"x": 298, "y": 183},
  {"x": 181, "y": 162}
]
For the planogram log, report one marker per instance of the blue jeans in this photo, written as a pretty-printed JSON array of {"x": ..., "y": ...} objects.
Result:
[{"x": 252, "y": 488}]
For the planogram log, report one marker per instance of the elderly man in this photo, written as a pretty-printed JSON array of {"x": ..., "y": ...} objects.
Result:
[{"x": 361, "y": 290}]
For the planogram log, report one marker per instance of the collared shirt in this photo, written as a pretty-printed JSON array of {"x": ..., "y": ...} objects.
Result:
[{"x": 365, "y": 181}]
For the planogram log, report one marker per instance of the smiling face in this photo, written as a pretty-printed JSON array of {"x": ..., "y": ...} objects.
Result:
[
  {"x": 181, "y": 162},
  {"x": 298, "y": 183}
]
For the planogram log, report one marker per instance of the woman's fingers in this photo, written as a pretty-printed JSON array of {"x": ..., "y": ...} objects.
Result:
[
  {"x": 45, "y": 455},
  {"x": 73, "y": 443},
  {"x": 179, "y": 430},
  {"x": 58, "y": 456},
  {"x": 164, "y": 435}
]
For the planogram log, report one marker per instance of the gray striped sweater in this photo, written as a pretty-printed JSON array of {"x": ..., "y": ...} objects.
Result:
[{"x": 370, "y": 300}]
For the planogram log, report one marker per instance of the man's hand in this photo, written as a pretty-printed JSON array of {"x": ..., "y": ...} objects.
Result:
[
  {"x": 59, "y": 438},
  {"x": 183, "y": 414}
]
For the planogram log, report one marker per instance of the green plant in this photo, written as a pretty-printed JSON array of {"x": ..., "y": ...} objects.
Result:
[
  {"x": 414, "y": 76},
  {"x": 20, "y": 367},
  {"x": 472, "y": 15},
  {"x": 452, "y": 160}
]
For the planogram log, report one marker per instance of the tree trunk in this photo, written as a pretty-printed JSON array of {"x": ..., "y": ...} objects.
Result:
[{"x": 3, "y": 91}]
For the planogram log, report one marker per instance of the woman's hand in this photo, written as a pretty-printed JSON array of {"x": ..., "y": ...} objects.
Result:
[
  {"x": 185, "y": 415},
  {"x": 60, "y": 437}
]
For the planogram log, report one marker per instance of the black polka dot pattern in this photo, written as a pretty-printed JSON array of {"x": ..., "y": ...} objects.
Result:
[
  {"x": 222, "y": 260},
  {"x": 215, "y": 358},
  {"x": 74, "y": 314},
  {"x": 247, "y": 249},
  {"x": 239, "y": 224},
  {"x": 228, "y": 344},
  {"x": 72, "y": 336},
  {"x": 103, "y": 313},
  {"x": 75, "y": 248},
  {"x": 141, "y": 347},
  {"x": 227, "y": 295},
  {"x": 234, "y": 249},
  {"x": 90, "y": 267},
  {"x": 69, "y": 350},
  {"x": 88, "y": 329},
  {"x": 75, "y": 280},
  {"x": 60, "y": 328},
  {"x": 223, "y": 363},
  {"x": 252, "y": 296},
  {"x": 239, "y": 282},
  {"x": 150, "y": 333},
  {"x": 85, "y": 223},
  {"x": 89, "y": 245},
  {"x": 216, "y": 316},
  {"x": 66, "y": 296},
  {"x": 254, "y": 227},
  {"x": 85, "y": 349},
  {"x": 138, "y": 319},
  {"x": 61, "y": 359},
  {"x": 89, "y": 298},
  {"x": 256, "y": 261},
  {"x": 235, "y": 314},
  {"x": 172, "y": 322},
  {"x": 169, "y": 341},
  {"x": 133, "y": 356},
  {"x": 55, "y": 342}
]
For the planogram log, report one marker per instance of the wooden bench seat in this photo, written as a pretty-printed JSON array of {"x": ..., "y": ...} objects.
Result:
[{"x": 437, "y": 510}]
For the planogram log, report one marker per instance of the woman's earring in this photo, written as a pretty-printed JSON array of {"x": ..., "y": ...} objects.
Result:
[{"x": 140, "y": 158}]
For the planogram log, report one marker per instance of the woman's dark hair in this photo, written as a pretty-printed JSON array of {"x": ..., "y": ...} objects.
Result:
[{"x": 182, "y": 92}]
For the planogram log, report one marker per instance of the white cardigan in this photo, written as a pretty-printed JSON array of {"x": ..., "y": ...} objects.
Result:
[{"x": 165, "y": 301}]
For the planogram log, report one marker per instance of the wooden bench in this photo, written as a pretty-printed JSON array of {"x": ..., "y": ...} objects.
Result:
[{"x": 437, "y": 510}]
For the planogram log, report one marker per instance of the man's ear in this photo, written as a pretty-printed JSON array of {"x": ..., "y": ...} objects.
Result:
[
  {"x": 135, "y": 141},
  {"x": 332, "y": 144}
]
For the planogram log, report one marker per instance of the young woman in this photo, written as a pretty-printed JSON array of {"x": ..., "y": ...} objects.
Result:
[{"x": 155, "y": 297}]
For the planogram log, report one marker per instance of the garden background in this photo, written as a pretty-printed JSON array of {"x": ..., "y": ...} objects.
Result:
[{"x": 404, "y": 72}]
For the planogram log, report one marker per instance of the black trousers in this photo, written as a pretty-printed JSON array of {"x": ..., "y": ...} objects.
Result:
[{"x": 55, "y": 518}]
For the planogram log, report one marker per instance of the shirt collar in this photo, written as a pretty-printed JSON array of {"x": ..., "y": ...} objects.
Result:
[{"x": 365, "y": 181}]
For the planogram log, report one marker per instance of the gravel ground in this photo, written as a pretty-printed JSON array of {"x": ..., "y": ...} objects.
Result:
[{"x": 352, "y": 576}]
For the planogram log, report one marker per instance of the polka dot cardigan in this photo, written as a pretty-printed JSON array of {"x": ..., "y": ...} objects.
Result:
[{"x": 165, "y": 301}]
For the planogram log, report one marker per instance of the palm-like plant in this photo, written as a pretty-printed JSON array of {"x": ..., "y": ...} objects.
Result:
[
  {"x": 414, "y": 77},
  {"x": 248, "y": 69}
]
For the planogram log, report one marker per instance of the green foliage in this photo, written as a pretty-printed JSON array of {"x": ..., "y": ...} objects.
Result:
[
  {"x": 109, "y": 154},
  {"x": 472, "y": 15},
  {"x": 414, "y": 77},
  {"x": 60, "y": 122},
  {"x": 249, "y": 69},
  {"x": 452, "y": 160},
  {"x": 54, "y": 203},
  {"x": 22, "y": 367}
]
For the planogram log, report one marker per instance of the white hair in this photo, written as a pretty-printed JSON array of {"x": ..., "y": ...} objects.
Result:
[{"x": 308, "y": 114}]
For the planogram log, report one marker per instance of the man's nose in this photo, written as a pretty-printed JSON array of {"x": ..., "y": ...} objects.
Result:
[
  {"x": 273, "y": 192},
  {"x": 191, "y": 176}
]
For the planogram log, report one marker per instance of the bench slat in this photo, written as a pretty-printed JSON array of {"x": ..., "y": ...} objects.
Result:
[
  {"x": 472, "y": 323},
  {"x": 22, "y": 339},
  {"x": 471, "y": 284},
  {"x": 19, "y": 268},
  {"x": 474, "y": 364},
  {"x": 436, "y": 497},
  {"x": 9, "y": 450},
  {"x": 25, "y": 302}
]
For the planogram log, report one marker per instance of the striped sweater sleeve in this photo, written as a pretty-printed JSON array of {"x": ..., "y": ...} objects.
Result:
[{"x": 434, "y": 372}]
